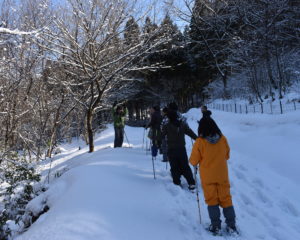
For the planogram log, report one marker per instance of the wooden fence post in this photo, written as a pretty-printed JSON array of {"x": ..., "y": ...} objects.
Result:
[{"x": 271, "y": 107}]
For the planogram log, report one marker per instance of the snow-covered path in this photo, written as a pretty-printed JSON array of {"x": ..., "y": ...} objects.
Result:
[{"x": 111, "y": 194}]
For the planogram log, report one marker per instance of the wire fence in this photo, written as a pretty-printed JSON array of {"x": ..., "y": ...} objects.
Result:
[{"x": 263, "y": 108}]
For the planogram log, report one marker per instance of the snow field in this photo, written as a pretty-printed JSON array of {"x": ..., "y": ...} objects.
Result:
[{"x": 111, "y": 194}]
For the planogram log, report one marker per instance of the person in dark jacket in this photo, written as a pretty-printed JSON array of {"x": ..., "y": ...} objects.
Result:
[
  {"x": 164, "y": 145},
  {"x": 205, "y": 111},
  {"x": 175, "y": 130},
  {"x": 174, "y": 107},
  {"x": 119, "y": 112},
  {"x": 155, "y": 131}
]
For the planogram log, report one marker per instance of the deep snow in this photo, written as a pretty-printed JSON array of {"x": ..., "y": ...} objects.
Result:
[{"x": 111, "y": 194}]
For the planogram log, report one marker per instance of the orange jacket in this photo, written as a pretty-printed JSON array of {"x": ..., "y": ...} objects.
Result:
[{"x": 212, "y": 159}]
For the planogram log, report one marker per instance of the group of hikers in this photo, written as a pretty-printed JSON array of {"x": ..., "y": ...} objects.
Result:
[{"x": 210, "y": 152}]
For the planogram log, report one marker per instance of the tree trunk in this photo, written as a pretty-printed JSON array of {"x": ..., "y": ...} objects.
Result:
[
  {"x": 224, "y": 80},
  {"x": 269, "y": 70},
  {"x": 281, "y": 80},
  {"x": 51, "y": 145},
  {"x": 138, "y": 112},
  {"x": 89, "y": 120}
]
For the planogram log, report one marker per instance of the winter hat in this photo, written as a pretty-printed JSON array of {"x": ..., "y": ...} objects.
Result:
[
  {"x": 165, "y": 110},
  {"x": 173, "y": 106},
  {"x": 156, "y": 108},
  {"x": 173, "y": 117},
  {"x": 207, "y": 113}
]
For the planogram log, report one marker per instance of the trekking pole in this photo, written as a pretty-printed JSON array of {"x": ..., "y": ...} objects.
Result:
[
  {"x": 126, "y": 138},
  {"x": 153, "y": 167},
  {"x": 166, "y": 166},
  {"x": 152, "y": 161},
  {"x": 143, "y": 138},
  {"x": 197, "y": 192},
  {"x": 146, "y": 145}
]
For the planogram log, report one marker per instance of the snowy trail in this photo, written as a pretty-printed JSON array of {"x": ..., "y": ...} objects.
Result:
[{"x": 111, "y": 193}]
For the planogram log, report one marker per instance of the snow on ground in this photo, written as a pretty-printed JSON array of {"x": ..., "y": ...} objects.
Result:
[{"x": 111, "y": 194}]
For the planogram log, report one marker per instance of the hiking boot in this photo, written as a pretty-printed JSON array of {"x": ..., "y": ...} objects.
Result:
[
  {"x": 215, "y": 230},
  {"x": 232, "y": 230}
]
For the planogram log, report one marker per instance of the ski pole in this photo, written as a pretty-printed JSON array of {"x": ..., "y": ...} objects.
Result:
[
  {"x": 151, "y": 150},
  {"x": 197, "y": 192},
  {"x": 146, "y": 145},
  {"x": 153, "y": 167},
  {"x": 126, "y": 138},
  {"x": 143, "y": 138},
  {"x": 166, "y": 166}
]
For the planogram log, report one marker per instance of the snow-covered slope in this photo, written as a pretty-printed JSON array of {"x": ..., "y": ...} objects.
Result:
[{"x": 111, "y": 194}]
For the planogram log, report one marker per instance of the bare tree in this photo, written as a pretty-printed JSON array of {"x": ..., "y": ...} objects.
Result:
[{"x": 87, "y": 40}]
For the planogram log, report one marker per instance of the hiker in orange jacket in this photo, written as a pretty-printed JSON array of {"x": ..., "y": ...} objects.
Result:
[{"x": 211, "y": 152}]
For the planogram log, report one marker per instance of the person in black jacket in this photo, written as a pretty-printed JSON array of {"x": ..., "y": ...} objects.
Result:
[
  {"x": 164, "y": 145},
  {"x": 205, "y": 111},
  {"x": 175, "y": 130},
  {"x": 155, "y": 131}
]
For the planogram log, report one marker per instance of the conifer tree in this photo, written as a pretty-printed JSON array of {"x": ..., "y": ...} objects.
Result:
[{"x": 131, "y": 32}]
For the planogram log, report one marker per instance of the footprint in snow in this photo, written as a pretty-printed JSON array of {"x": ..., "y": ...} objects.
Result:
[
  {"x": 258, "y": 183},
  {"x": 163, "y": 174},
  {"x": 274, "y": 221},
  {"x": 174, "y": 190},
  {"x": 260, "y": 236},
  {"x": 240, "y": 175},
  {"x": 277, "y": 235},
  {"x": 241, "y": 167},
  {"x": 263, "y": 198},
  {"x": 246, "y": 200},
  {"x": 289, "y": 208}
]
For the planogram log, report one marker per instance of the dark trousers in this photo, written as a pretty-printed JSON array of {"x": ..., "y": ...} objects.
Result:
[
  {"x": 214, "y": 214},
  {"x": 119, "y": 136},
  {"x": 164, "y": 149},
  {"x": 180, "y": 166}
]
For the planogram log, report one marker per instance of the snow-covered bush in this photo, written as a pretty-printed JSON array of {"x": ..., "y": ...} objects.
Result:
[{"x": 17, "y": 183}]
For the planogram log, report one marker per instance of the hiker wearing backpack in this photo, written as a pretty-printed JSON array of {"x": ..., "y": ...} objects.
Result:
[
  {"x": 155, "y": 131},
  {"x": 174, "y": 107},
  {"x": 175, "y": 130},
  {"x": 164, "y": 144},
  {"x": 119, "y": 113},
  {"x": 205, "y": 112},
  {"x": 211, "y": 152}
]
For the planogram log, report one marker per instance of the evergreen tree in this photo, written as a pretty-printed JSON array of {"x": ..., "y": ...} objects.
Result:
[{"x": 131, "y": 32}]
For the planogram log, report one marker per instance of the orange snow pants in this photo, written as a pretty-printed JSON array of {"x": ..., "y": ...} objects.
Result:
[{"x": 217, "y": 194}]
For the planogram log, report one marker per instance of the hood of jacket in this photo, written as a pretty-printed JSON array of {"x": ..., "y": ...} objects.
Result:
[{"x": 213, "y": 139}]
